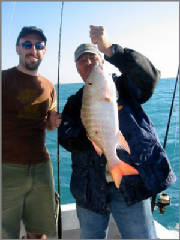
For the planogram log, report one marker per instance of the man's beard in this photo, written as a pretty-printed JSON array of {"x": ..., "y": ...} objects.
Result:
[{"x": 32, "y": 66}]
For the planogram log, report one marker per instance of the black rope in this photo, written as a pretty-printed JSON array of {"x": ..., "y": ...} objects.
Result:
[
  {"x": 58, "y": 153},
  {"x": 153, "y": 201}
]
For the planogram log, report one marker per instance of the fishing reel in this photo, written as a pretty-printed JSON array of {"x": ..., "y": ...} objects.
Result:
[{"x": 163, "y": 202}]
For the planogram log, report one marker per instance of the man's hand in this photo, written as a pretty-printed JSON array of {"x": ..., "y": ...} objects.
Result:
[
  {"x": 98, "y": 36},
  {"x": 53, "y": 120}
]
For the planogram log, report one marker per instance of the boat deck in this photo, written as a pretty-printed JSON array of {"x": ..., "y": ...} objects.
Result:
[
  {"x": 70, "y": 226},
  {"x": 75, "y": 233}
]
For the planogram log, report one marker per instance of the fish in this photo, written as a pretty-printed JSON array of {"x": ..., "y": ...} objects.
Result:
[{"x": 99, "y": 116}]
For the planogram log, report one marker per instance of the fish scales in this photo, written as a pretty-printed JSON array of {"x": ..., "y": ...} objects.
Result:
[{"x": 99, "y": 114}]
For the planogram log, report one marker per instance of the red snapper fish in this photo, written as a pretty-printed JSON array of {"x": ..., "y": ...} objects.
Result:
[{"x": 99, "y": 115}]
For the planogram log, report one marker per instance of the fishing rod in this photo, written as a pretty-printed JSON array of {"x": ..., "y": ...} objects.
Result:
[
  {"x": 164, "y": 199},
  {"x": 58, "y": 152},
  {"x": 170, "y": 113}
]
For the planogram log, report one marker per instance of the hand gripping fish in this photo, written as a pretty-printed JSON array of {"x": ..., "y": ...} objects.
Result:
[{"x": 99, "y": 115}]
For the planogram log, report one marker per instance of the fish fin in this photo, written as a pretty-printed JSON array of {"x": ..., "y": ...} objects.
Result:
[
  {"x": 123, "y": 143},
  {"x": 121, "y": 169},
  {"x": 120, "y": 107},
  {"x": 107, "y": 99},
  {"x": 116, "y": 174},
  {"x": 97, "y": 149}
]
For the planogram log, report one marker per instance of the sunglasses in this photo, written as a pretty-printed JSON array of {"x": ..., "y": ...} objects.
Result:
[{"x": 28, "y": 45}]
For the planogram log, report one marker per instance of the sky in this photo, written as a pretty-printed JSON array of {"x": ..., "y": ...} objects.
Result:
[{"x": 151, "y": 28}]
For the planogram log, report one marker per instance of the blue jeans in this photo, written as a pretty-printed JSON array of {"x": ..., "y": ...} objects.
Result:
[{"x": 134, "y": 222}]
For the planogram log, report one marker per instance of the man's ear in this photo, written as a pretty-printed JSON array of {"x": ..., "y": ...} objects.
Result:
[
  {"x": 44, "y": 50},
  {"x": 77, "y": 67},
  {"x": 17, "y": 49}
]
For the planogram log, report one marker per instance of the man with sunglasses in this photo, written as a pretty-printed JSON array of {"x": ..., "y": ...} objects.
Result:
[{"x": 28, "y": 109}]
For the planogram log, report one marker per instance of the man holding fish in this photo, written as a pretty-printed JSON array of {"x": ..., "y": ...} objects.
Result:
[{"x": 118, "y": 162}]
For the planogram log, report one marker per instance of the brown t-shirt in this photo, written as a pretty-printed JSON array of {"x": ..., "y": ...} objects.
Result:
[{"x": 26, "y": 101}]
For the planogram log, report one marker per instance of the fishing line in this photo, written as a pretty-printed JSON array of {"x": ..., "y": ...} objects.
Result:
[
  {"x": 171, "y": 109},
  {"x": 58, "y": 153},
  {"x": 11, "y": 19}
]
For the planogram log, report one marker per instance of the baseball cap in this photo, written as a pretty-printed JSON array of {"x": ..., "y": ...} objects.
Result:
[
  {"x": 85, "y": 48},
  {"x": 30, "y": 30}
]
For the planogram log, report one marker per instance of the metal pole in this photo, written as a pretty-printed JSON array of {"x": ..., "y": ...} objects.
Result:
[{"x": 58, "y": 152}]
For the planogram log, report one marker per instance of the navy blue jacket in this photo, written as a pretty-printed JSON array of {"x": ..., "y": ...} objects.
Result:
[{"x": 88, "y": 182}]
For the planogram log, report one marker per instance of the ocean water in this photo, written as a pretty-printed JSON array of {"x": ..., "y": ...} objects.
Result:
[{"x": 158, "y": 110}]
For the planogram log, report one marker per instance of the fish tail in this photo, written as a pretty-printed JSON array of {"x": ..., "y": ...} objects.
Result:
[{"x": 121, "y": 169}]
